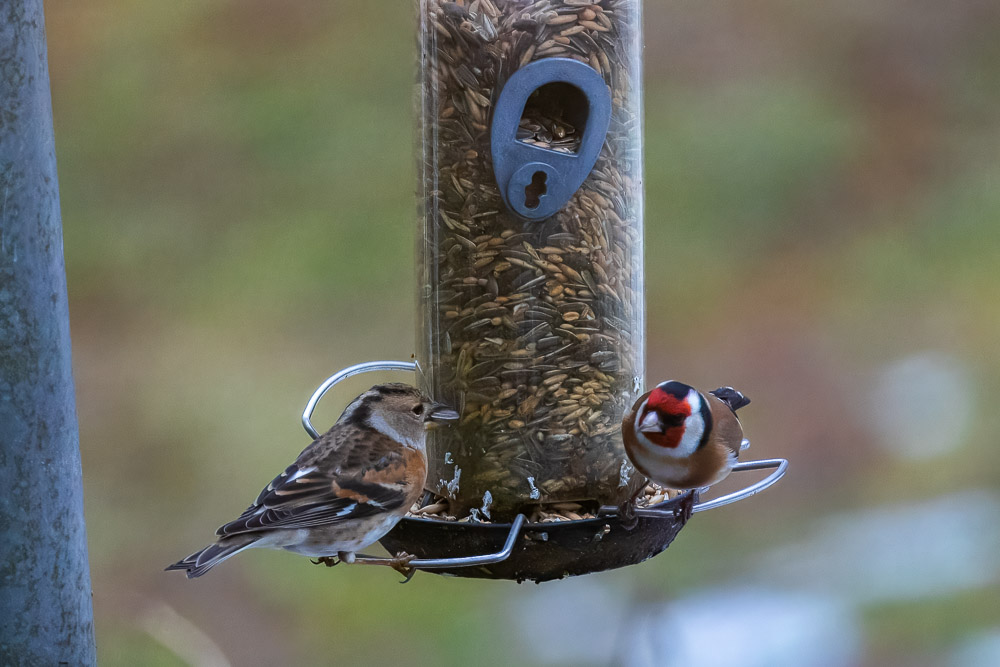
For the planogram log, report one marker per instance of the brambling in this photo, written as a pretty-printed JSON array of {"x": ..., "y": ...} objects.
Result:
[
  {"x": 683, "y": 439},
  {"x": 345, "y": 490}
]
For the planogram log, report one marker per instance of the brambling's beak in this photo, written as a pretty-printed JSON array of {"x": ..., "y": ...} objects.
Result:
[
  {"x": 652, "y": 423},
  {"x": 439, "y": 414}
]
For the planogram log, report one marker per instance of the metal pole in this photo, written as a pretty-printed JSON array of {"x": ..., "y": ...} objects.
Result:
[{"x": 46, "y": 616}]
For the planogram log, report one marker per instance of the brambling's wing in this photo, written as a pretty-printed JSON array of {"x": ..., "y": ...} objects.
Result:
[{"x": 330, "y": 484}]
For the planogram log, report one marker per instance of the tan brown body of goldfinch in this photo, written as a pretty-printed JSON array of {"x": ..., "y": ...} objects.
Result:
[
  {"x": 345, "y": 490},
  {"x": 681, "y": 438}
]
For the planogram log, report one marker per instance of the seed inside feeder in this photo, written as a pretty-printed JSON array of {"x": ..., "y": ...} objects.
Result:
[
  {"x": 533, "y": 330},
  {"x": 439, "y": 507}
]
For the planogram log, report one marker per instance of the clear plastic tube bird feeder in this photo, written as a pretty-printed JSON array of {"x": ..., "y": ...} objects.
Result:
[
  {"x": 530, "y": 258},
  {"x": 530, "y": 289}
]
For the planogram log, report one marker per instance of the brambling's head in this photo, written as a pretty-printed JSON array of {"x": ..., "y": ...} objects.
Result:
[{"x": 400, "y": 412}]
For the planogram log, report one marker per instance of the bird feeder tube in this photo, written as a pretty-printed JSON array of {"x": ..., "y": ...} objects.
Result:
[{"x": 530, "y": 269}]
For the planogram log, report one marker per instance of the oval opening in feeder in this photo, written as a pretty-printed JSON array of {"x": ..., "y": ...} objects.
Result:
[
  {"x": 554, "y": 118},
  {"x": 549, "y": 127}
]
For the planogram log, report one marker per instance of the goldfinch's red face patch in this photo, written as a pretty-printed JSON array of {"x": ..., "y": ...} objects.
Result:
[
  {"x": 674, "y": 417},
  {"x": 662, "y": 421}
]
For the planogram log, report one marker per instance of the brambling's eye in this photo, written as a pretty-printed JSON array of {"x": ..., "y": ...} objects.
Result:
[{"x": 418, "y": 409}]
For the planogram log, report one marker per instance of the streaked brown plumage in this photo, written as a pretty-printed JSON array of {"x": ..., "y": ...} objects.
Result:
[
  {"x": 681, "y": 438},
  {"x": 346, "y": 490}
]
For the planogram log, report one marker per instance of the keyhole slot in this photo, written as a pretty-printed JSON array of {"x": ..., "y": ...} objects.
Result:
[
  {"x": 554, "y": 117},
  {"x": 533, "y": 191}
]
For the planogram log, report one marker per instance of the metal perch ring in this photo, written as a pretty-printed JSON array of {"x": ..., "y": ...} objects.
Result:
[{"x": 543, "y": 551}]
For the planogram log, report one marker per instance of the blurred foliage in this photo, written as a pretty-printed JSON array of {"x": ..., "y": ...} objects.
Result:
[{"x": 237, "y": 190}]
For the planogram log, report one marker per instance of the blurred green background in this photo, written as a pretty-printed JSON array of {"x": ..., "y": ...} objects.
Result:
[{"x": 822, "y": 232}]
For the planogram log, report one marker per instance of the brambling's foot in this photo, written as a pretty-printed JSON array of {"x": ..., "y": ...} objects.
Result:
[
  {"x": 401, "y": 564},
  {"x": 329, "y": 561}
]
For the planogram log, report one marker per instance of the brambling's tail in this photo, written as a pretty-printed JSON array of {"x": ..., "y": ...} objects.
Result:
[{"x": 202, "y": 561}]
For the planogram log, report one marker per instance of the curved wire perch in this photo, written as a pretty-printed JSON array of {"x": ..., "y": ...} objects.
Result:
[
  {"x": 419, "y": 563},
  {"x": 356, "y": 369},
  {"x": 469, "y": 561},
  {"x": 780, "y": 465}
]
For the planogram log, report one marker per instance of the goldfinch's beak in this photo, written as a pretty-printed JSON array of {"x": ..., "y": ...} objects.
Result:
[
  {"x": 438, "y": 414},
  {"x": 652, "y": 423}
]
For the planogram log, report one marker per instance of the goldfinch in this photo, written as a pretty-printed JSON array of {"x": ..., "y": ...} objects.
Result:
[{"x": 681, "y": 438}]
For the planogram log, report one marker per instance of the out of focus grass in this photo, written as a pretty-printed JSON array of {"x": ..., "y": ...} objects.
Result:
[{"x": 237, "y": 190}]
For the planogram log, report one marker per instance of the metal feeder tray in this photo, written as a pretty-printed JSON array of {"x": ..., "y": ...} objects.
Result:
[{"x": 541, "y": 551}]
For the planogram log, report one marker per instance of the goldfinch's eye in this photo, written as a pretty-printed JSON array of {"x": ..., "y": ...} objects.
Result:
[{"x": 418, "y": 410}]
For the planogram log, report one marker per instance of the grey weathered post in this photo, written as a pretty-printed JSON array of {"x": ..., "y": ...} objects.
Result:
[{"x": 46, "y": 616}]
